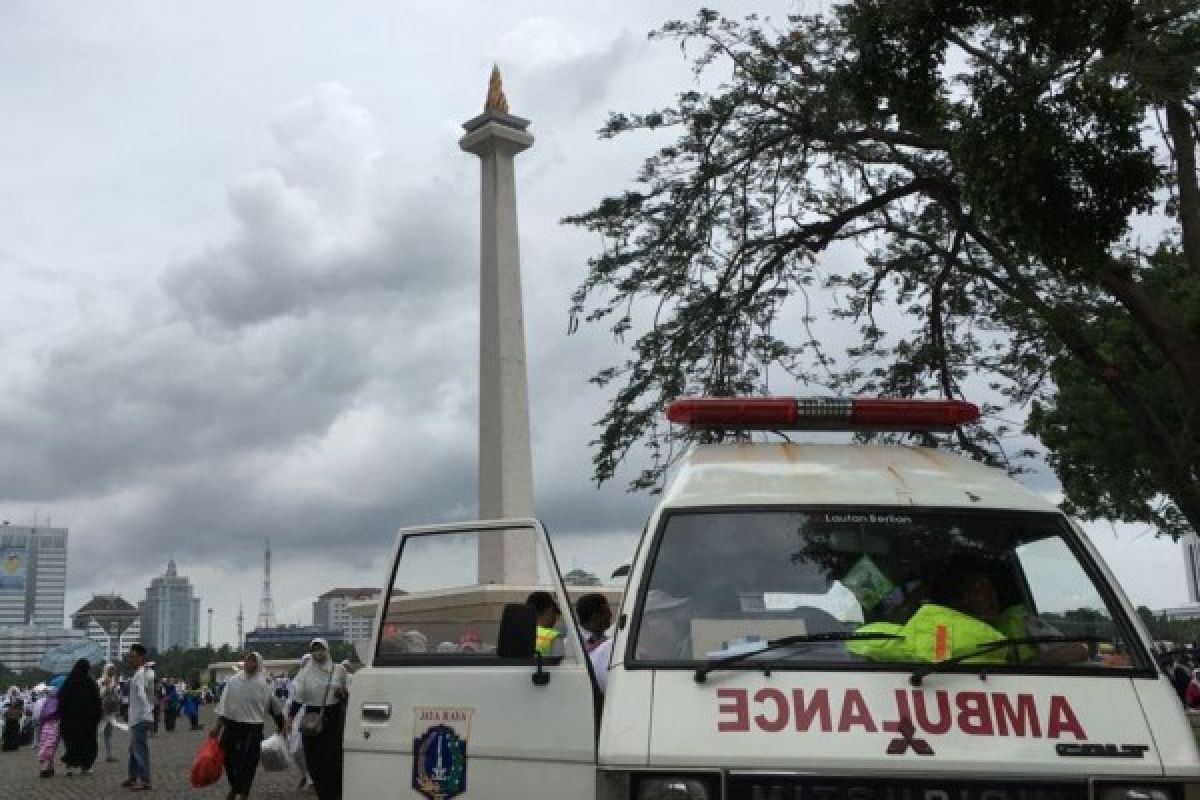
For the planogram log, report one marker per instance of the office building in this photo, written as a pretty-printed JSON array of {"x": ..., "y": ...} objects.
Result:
[
  {"x": 170, "y": 613},
  {"x": 22, "y": 646},
  {"x": 290, "y": 634},
  {"x": 33, "y": 576},
  {"x": 110, "y": 620},
  {"x": 1191, "y": 565},
  {"x": 332, "y": 611}
]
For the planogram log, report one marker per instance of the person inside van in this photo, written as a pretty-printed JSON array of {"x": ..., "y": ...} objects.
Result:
[
  {"x": 965, "y": 611},
  {"x": 974, "y": 591},
  {"x": 548, "y": 614},
  {"x": 595, "y": 617}
]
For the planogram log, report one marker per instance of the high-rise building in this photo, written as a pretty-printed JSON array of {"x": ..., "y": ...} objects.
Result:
[
  {"x": 22, "y": 647},
  {"x": 33, "y": 575},
  {"x": 1191, "y": 563},
  {"x": 170, "y": 613},
  {"x": 110, "y": 620},
  {"x": 331, "y": 611}
]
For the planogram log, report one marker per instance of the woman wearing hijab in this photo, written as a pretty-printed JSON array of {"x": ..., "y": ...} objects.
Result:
[
  {"x": 14, "y": 713},
  {"x": 80, "y": 712},
  {"x": 245, "y": 704},
  {"x": 321, "y": 687},
  {"x": 170, "y": 703},
  {"x": 45, "y": 718},
  {"x": 110, "y": 702},
  {"x": 191, "y": 708}
]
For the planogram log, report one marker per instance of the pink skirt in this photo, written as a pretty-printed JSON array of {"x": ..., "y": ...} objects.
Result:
[{"x": 47, "y": 740}]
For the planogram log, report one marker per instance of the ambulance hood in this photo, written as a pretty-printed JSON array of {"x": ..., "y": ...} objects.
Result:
[{"x": 855, "y": 721}]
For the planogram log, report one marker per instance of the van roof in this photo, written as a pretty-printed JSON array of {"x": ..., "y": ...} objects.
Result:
[{"x": 780, "y": 473}]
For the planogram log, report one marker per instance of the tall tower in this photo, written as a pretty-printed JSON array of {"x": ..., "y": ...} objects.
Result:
[
  {"x": 241, "y": 620},
  {"x": 1191, "y": 566},
  {"x": 266, "y": 606},
  {"x": 505, "y": 458}
]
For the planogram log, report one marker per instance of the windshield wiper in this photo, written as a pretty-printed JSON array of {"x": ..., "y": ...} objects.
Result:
[
  {"x": 920, "y": 672},
  {"x": 788, "y": 641}
]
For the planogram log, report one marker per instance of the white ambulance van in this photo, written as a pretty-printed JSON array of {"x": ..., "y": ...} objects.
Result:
[{"x": 801, "y": 622}]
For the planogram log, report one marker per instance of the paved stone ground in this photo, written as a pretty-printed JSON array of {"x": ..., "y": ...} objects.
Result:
[{"x": 170, "y": 765}]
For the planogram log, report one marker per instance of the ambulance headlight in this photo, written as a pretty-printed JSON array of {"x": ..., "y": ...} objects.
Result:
[
  {"x": 1133, "y": 792},
  {"x": 675, "y": 787}
]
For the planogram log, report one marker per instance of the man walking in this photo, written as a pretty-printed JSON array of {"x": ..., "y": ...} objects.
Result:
[{"x": 141, "y": 717}]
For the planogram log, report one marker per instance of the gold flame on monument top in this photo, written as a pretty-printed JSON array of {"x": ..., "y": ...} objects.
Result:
[{"x": 496, "y": 101}]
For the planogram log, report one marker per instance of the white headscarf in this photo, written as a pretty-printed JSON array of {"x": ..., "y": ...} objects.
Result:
[
  {"x": 248, "y": 698},
  {"x": 316, "y": 683}
]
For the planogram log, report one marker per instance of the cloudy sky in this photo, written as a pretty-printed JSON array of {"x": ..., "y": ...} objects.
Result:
[{"x": 239, "y": 249}]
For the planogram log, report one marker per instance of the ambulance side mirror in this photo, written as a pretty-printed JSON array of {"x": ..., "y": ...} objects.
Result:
[{"x": 517, "y": 638}]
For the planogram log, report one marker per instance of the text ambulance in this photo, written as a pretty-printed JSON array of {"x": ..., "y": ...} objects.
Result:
[{"x": 801, "y": 622}]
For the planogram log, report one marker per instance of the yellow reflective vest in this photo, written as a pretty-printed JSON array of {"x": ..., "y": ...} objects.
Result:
[
  {"x": 934, "y": 633},
  {"x": 545, "y": 639},
  {"x": 1013, "y": 622}
]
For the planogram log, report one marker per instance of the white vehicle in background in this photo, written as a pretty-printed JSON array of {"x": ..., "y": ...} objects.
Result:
[{"x": 801, "y": 622}]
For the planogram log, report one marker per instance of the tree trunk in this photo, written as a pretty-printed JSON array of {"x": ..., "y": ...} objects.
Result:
[{"x": 1179, "y": 128}]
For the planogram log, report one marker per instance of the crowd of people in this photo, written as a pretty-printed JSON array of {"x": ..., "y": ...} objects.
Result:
[
  {"x": 1184, "y": 672},
  {"x": 72, "y": 715}
]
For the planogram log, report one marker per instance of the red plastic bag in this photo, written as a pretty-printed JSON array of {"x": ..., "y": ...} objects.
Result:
[{"x": 207, "y": 766}]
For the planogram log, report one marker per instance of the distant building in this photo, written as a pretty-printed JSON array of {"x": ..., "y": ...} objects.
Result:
[
  {"x": 22, "y": 647},
  {"x": 170, "y": 613},
  {"x": 1191, "y": 564},
  {"x": 224, "y": 670},
  {"x": 33, "y": 576},
  {"x": 290, "y": 634},
  {"x": 110, "y": 620},
  {"x": 579, "y": 577},
  {"x": 1180, "y": 614},
  {"x": 332, "y": 611}
]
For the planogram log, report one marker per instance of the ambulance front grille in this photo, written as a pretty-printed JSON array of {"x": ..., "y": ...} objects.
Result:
[{"x": 808, "y": 787}]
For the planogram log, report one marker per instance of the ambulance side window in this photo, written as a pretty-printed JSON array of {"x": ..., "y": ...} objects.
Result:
[{"x": 445, "y": 608}]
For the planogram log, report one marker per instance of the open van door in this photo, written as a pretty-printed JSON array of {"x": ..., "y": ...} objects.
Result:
[{"x": 449, "y": 704}]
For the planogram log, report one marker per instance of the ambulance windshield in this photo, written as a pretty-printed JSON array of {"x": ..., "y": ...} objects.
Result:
[{"x": 941, "y": 583}]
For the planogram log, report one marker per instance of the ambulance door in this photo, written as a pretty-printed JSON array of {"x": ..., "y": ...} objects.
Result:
[{"x": 437, "y": 712}]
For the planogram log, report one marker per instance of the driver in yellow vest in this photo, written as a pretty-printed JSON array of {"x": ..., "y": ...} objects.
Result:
[
  {"x": 548, "y": 615},
  {"x": 969, "y": 616}
]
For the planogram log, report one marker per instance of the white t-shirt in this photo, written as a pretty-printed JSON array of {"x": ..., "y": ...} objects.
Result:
[
  {"x": 141, "y": 703},
  {"x": 600, "y": 656},
  {"x": 248, "y": 699},
  {"x": 311, "y": 683}
]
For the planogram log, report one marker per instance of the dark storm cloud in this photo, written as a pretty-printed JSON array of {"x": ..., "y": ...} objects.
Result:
[
  {"x": 317, "y": 225},
  {"x": 555, "y": 75}
]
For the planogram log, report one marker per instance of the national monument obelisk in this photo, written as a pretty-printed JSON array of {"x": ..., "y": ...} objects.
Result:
[{"x": 505, "y": 453}]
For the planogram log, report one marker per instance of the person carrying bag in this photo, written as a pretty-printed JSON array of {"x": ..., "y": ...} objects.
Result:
[
  {"x": 321, "y": 687},
  {"x": 241, "y": 713},
  {"x": 312, "y": 721}
]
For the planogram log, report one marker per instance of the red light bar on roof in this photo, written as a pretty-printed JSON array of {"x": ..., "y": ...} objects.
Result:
[{"x": 821, "y": 413}]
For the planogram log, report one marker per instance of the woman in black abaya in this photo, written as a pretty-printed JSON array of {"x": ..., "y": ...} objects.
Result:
[{"x": 80, "y": 712}]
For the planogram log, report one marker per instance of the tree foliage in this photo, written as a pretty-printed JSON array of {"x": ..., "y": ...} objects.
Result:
[{"x": 990, "y": 159}]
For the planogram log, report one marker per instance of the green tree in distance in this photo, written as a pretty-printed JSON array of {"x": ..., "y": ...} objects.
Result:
[{"x": 990, "y": 158}]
